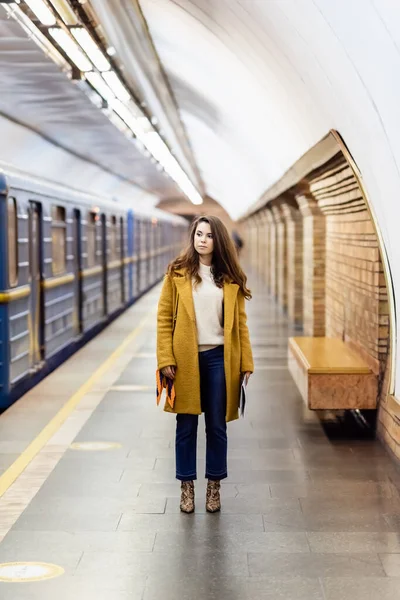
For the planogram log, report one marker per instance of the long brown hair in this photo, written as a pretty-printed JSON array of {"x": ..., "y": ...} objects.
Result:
[{"x": 225, "y": 265}]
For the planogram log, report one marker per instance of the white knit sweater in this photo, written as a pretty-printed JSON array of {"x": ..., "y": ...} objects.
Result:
[{"x": 208, "y": 306}]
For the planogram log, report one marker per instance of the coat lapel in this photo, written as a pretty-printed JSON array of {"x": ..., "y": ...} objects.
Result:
[
  {"x": 230, "y": 293},
  {"x": 185, "y": 294}
]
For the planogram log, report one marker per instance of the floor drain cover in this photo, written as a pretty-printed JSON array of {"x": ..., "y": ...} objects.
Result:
[
  {"x": 93, "y": 446},
  {"x": 28, "y": 571}
]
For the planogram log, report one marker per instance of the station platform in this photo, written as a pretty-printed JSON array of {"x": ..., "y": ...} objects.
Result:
[{"x": 89, "y": 496}]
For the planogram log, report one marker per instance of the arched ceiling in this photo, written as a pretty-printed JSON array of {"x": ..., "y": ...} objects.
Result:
[
  {"x": 259, "y": 82},
  {"x": 53, "y": 129},
  {"x": 245, "y": 108}
]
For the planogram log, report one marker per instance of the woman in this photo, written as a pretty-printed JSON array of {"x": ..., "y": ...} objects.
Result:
[{"x": 203, "y": 345}]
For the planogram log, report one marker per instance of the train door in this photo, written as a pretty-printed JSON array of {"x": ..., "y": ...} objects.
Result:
[
  {"x": 104, "y": 262},
  {"x": 36, "y": 307},
  {"x": 131, "y": 252},
  {"x": 78, "y": 309},
  {"x": 122, "y": 257},
  {"x": 138, "y": 252}
]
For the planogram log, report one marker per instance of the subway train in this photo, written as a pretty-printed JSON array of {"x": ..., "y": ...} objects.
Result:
[{"x": 70, "y": 263}]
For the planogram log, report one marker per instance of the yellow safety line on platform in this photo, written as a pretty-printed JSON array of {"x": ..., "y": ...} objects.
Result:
[{"x": 18, "y": 466}]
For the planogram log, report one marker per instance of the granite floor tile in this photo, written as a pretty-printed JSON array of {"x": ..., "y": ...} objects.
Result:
[
  {"x": 380, "y": 505},
  {"x": 161, "y": 453},
  {"x": 68, "y": 474},
  {"x": 305, "y": 516},
  {"x": 93, "y": 488},
  {"x": 170, "y": 522},
  {"x": 231, "y": 541},
  {"x": 73, "y": 521},
  {"x": 165, "y": 566},
  {"x": 330, "y": 489},
  {"x": 276, "y": 443},
  {"x": 391, "y": 564},
  {"x": 269, "y": 455},
  {"x": 173, "y": 490},
  {"x": 69, "y": 587},
  {"x": 262, "y": 490},
  {"x": 340, "y": 542},
  {"x": 315, "y": 565},
  {"x": 268, "y": 476},
  {"x": 355, "y": 519},
  {"x": 284, "y": 518},
  {"x": 140, "y": 446},
  {"x": 234, "y": 588},
  {"x": 31, "y": 542},
  {"x": 62, "y": 505},
  {"x": 107, "y": 459},
  {"x": 345, "y": 474},
  {"x": 268, "y": 462},
  {"x": 132, "y": 476},
  {"x": 67, "y": 559},
  {"x": 13, "y": 446},
  {"x": 6, "y": 459},
  {"x": 332, "y": 462},
  {"x": 392, "y": 520},
  {"x": 361, "y": 588},
  {"x": 103, "y": 433},
  {"x": 240, "y": 504}
]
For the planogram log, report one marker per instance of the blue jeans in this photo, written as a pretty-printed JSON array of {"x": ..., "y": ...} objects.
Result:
[{"x": 213, "y": 404}]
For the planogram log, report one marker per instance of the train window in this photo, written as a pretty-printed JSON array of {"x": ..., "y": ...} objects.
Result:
[
  {"x": 91, "y": 229},
  {"x": 12, "y": 242},
  {"x": 59, "y": 239},
  {"x": 122, "y": 237},
  {"x": 113, "y": 239}
]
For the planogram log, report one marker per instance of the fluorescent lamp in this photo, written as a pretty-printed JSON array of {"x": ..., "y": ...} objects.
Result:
[
  {"x": 126, "y": 115},
  {"x": 65, "y": 11},
  {"x": 71, "y": 49},
  {"x": 160, "y": 151},
  {"x": 42, "y": 12},
  {"x": 90, "y": 47},
  {"x": 115, "y": 84},
  {"x": 119, "y": 123},
  {"x": 96, "y": 80}
]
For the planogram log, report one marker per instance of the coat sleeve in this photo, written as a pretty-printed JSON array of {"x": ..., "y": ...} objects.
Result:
[
  {"x": 246, "y": 363},
  {"x": 165, "y": 355}
]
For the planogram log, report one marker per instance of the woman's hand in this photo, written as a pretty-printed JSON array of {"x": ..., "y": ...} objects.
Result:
[
  {"x": 246, "y": 376},
  {"x": 169, "y": 372}
]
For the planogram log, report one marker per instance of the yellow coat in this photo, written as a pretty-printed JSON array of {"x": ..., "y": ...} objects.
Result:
[{"x": 177, "y": 343}]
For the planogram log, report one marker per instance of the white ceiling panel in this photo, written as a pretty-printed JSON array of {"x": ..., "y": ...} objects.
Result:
[
  {"x": 35, "y": 93},
  {"x": 259, "y": 82}
]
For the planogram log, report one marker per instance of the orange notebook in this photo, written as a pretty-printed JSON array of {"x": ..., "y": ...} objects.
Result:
[{"x": 168, "y": 384}]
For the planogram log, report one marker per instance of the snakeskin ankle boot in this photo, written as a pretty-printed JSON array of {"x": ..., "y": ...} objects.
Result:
[
  {"x": 213, "y": 500},
  {"x": 187, "y": 496}
]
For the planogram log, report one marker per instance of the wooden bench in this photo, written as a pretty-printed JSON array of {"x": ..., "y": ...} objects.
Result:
[{"x": 331, "y": 375}]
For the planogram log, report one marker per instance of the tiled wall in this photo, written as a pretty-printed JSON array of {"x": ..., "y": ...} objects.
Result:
[
  {"x": 313, "y": 265},
  {"x": 281, "y": 256},
  {"x": 294, "y": 237},
  {"x": 273, "y": 255},
  {"x": 355, "y": 292},
  {"x": 325, "y": 267}
]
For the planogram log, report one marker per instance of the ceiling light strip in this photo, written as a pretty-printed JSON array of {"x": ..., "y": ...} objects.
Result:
[
  {"x": 65, "y": 11},
  {"x": 86, "y": 42},
  {"x": 104, "y": 81},
  {"x": 71, "y": 49},
  {"x": 37, "y": 36},
  {"x": 42, "y": 12},
  {"x": 117, "y": 87}
]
